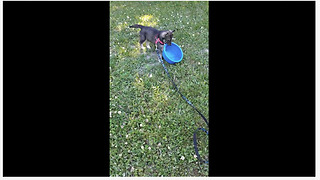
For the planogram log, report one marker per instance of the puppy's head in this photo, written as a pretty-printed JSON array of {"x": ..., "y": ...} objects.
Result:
[{"x": 168, "y": 37}]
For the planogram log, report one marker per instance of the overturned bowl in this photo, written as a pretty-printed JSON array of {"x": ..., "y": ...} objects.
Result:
[{"x": 172, "y": 54}]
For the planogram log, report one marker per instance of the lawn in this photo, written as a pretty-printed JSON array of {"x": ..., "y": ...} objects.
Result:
[{"x": 151, "y": 126}]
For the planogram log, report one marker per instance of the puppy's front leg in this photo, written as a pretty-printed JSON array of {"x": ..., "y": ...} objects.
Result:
[{"x": 159, "y": 50}]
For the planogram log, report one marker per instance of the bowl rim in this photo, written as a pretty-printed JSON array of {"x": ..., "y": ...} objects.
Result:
[{"x": 164, "y": 50}]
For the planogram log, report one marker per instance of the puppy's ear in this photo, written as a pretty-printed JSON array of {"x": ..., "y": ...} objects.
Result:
[{"x": 163, "y": 34}]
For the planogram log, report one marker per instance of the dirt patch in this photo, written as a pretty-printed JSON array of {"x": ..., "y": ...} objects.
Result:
[
  {"x": 146, "y": 68},
  {"x": 148, "y": 64},
  {"x": 151, "y": 55}
]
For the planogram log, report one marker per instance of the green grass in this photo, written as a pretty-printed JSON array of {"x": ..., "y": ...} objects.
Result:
[{"x": 151, "y": 126}]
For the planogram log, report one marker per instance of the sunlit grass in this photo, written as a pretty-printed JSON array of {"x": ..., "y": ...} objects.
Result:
[{"x": 148, "y": 20}]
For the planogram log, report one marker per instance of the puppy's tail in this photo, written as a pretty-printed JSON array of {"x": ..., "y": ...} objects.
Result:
[{"x": 136, "y": 26}]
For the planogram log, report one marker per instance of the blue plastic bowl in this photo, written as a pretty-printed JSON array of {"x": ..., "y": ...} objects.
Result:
[{"x": 172, "y": 54}]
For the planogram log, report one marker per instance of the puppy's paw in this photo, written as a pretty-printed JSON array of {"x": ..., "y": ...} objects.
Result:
[{"x": 141, "y": 46}]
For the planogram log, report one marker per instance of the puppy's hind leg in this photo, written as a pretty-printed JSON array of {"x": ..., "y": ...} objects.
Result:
[
  {"x": 142, "y": 40},
  {"x": 148, "y": 44}
]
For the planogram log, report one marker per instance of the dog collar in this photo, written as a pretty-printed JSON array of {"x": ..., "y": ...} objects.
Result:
[{"x": 158, "y": 40}]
